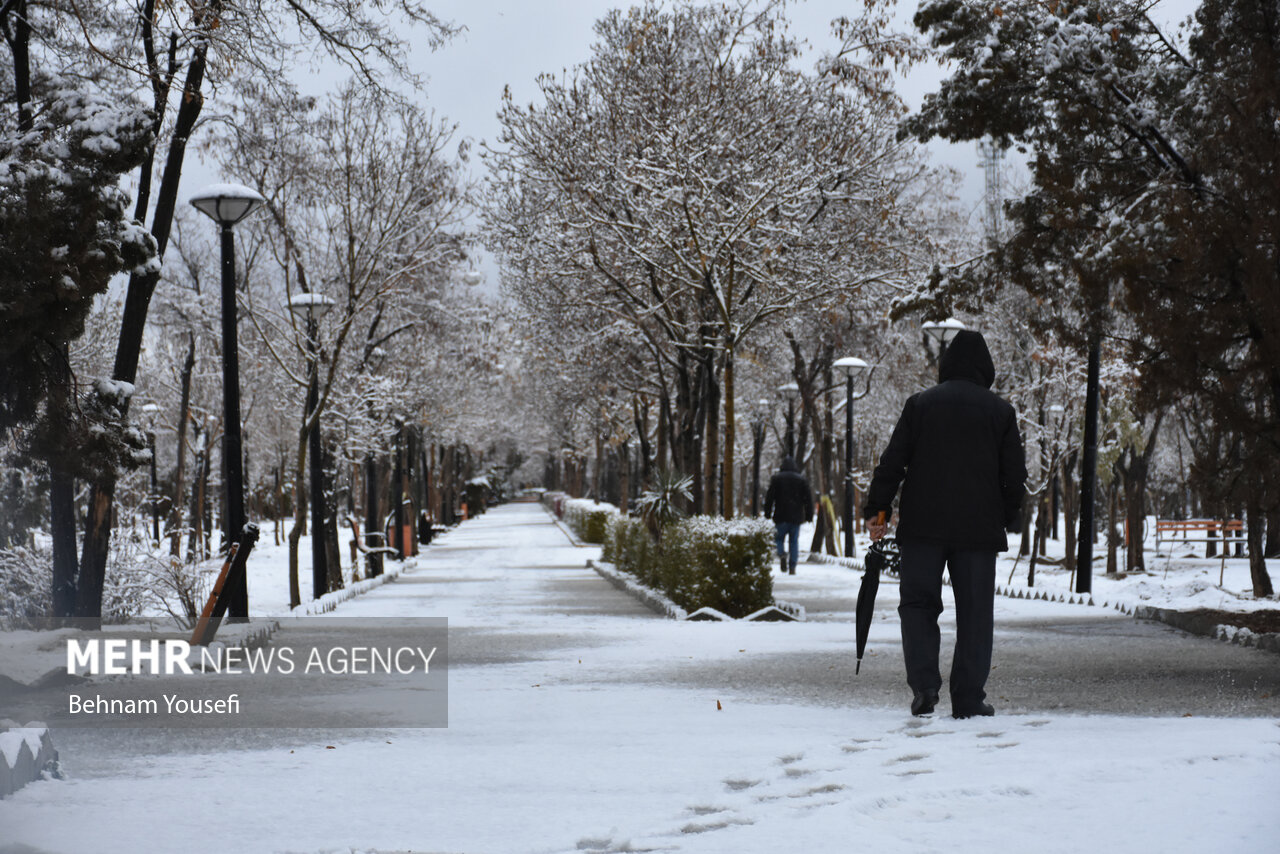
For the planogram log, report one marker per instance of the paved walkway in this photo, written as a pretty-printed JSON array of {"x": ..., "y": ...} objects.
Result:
[{"x": 578, "y": 720}]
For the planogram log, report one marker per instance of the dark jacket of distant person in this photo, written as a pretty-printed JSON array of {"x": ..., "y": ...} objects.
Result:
[
  {"x": 788, "y": 498},
  {"x": 958, "y": 448}
]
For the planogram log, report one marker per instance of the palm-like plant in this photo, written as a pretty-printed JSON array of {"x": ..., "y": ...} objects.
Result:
[{"x": 660, "y": 506}]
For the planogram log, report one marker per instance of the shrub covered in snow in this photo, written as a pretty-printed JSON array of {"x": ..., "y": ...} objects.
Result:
[
  {"x": 588, "y": 519},
  {"x": 702, "y": 561},
  {"x": 719, "y": 563}
]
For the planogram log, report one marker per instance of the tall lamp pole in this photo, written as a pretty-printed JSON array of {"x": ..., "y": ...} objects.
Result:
[
  {"x": 790, "y": 393},
  {"x": 758, "y": 422},
  {"x": 228, "y": 204},
  {"x": 314, "y": 306},
  {"x": 852, "y": 368}
]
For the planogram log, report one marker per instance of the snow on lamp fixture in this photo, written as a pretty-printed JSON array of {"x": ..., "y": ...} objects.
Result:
[
  {"x": 310, "y": 305},
  {"x": 943, "y": 331},
  {"x": 227, "y": 204},
  {"x": 850, "y": 367},
  {"x": 471, "y": 278}
]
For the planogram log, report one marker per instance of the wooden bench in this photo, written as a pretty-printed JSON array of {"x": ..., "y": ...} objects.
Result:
[
  {"x": 366, "y": 544},
  {"x": 1214, "y": 532}
]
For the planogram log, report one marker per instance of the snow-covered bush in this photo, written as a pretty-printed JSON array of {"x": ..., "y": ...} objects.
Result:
[
  {"x": 26, "y": 578},
  {"x": 588, "y": 519},
  {"x": 24, "y": 586},
  {"x": 702, "y": 561},
  {"x": 719, "y": 563},
  {"x": 630, "y": 547}
]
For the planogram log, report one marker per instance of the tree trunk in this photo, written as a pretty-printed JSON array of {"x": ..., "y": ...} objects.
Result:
[
  {"x": 179, "y": 475},
  {"x": 1112, "y": 535},
  {"x": 62, "y": 522},
  {"x": 1069, "y": 499},
  {"x": 730, "y": 428},
  {"x": 1272, "y": 547},
  {"x": 93, "y": 561},
  {"x": 1257, "y": 561},
  {"x": 711, "y": 437},
  {"x": 299, "y": 515}
]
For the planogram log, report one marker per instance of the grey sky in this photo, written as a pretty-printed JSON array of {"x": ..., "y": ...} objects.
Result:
[{"x": 511, "y": 42}]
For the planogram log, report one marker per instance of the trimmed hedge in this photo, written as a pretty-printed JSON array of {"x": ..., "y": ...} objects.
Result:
[
  {"x": 703, "y": 561},
  {"x": 588, "y": 519},
  {"x": 719, "y": 563}
]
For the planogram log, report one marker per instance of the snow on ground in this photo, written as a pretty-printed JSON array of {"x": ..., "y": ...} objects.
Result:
[
  {"x": 1177, "y": 577},
  {"x": 566, "y": 733}
]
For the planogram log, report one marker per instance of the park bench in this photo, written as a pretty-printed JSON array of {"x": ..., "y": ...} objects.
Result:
[
  {"x": 367, "y": 544},
  {"x": 1214, "y": 532}
]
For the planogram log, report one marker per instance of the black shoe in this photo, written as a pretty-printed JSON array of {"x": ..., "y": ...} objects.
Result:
[
  {"x": 982, "y": 710},
  {"x": 924, "y": 702}
]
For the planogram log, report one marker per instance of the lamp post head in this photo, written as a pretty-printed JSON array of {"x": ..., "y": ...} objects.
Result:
[
  {"x": 790, "y": 392},
  {"x": 472, "y": 277},
  {"x": 310, "y": 305},
  {"x": 851, "y": 367},
  {"x": 942, "y": 331},
  {"x": 227, "y": 204}
]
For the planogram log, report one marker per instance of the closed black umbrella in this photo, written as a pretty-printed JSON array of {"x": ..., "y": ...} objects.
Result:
[{"x": 882, "y": 555}]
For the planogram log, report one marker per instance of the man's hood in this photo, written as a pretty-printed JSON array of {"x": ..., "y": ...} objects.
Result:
[
  {"x": 789, "y": 464},
  {"x": 967, "y": 358}
]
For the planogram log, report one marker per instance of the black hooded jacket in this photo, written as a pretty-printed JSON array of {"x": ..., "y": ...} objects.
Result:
[
  {"x": 958, "y": 448},
  {"x": 788, "y": 498}
]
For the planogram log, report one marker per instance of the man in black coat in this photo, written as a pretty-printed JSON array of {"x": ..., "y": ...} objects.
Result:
[
  {"x": 958, "y": 447},
  {"x": 789, "y": 503}
]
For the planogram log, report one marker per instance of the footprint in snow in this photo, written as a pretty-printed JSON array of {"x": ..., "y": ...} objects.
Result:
[
  {"x": 914, "y": 772},
  {"x": 1037, "y": 723},
  {"x": 830, "y": 788},
  {"x": 787, "y": 760},
  {"x": 694, "y": 827},
  {"x": 798, "y": 772},
  {"x": 740, "y": 785},
  {"x": 990, "y": 734},
  {"x": 907, "y": 757},
  {"x": 1002, "y": 745},
  {"x": 707, "y": 810}
]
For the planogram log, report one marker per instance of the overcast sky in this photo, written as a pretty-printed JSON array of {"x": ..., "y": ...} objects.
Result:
[{"x": 511, "y": 42}]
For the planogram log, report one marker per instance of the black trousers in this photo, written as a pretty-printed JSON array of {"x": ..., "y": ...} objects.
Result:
[{"x": 973, "y": 579}]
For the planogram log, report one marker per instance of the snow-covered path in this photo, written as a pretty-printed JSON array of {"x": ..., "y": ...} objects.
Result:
[{"x": 579, "y": 721}]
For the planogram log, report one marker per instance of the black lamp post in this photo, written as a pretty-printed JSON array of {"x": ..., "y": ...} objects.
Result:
[
  {"x": 313, "y": 307},
  {"x": 852, "y": 368},
  {"x": 228, "y": 204},
  {"x": 760, "y": 418},
  {"x": 790, "y": 392}
]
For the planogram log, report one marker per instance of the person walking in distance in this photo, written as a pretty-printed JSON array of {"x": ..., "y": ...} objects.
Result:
[
  {"x": 958, "y": 454},
  {"x": 788, "y": 502}
]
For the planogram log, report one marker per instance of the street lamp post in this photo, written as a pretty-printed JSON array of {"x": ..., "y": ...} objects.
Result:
[
  {"x": 228, "y": 204},
  {"x": 790, "y": 392},
  {"x": 852, "y": 368},
  {"x": 314, "y": 306},
  {"x": 758, "y": 422}
]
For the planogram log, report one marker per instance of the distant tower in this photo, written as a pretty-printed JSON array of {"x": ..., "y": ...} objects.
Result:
[{"x": 992, "y": 199}]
